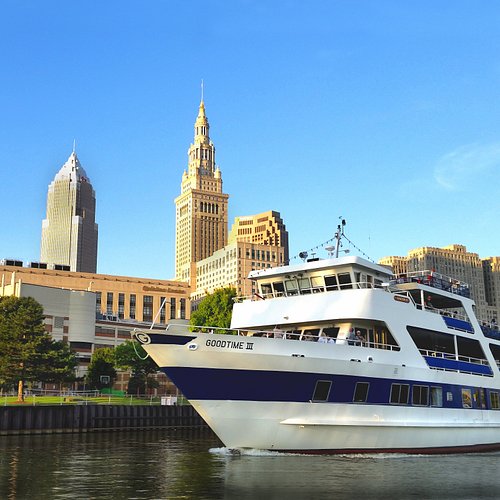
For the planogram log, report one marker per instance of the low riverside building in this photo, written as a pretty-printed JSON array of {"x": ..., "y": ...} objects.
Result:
[{"x": 141, "y": 299}]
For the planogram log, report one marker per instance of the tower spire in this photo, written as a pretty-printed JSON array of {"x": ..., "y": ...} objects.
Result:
[{"x": 74, "y": 145}]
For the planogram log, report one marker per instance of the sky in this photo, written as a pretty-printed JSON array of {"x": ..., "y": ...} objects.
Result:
[{"x": 385, "y": 113}]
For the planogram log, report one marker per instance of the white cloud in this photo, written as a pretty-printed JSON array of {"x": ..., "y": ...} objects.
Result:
[{"x": 466, "y": 165}]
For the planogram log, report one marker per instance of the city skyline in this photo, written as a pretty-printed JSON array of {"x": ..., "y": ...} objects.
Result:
[{"x": 389, "y": 119}]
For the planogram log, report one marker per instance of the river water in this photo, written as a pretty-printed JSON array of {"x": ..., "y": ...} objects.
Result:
[{"x": 173, "y": 465}]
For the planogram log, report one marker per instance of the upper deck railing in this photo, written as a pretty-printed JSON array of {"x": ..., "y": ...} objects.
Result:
[{"x": 434, "y": 280}]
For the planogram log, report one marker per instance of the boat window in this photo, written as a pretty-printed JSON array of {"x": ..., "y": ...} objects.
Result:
[
  {"x": 436, "y": 396},
  {"x": 495, "y": 351},
  {"x": 266, "y": 289},
  {"x": 317, "y": 283},
  {"x": 331, "y": 282},
  {"x": 494, "y": 401},
  {"x": 431, "y": 341},
  {"x": 420, "y": 395},
  {"x": 345, "y": 281},
  {"x": 469, "y": 348},
  {"x": 331, "y": 332},
  {"x": 466, "y": 398},
  {"x": 291, "y": 287},
  {"x": 399, "y": 394},
  {"x": 279, "y": 288},
  {"x": 304, "y": 285},
  {"x": 479, "y": 398},
  {"x": 311, "y": 334},
  {"x": 293, "y": 335},
  {"x": 383, "y": 339},
  {"x": 321, "y": 391},
  {"x": 361, "y": 392}
]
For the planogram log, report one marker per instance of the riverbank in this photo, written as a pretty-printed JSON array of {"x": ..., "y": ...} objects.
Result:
[{"x": 94, "y": 418}]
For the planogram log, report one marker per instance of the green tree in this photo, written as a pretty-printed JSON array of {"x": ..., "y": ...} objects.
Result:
[
  {"x": 215, "y": 309},
  {"x": 131, "y": 356},
  {"x": 58, "y": 362},
  {"x": 102, "y": 364},
  {"x": 26, "y": 348}
]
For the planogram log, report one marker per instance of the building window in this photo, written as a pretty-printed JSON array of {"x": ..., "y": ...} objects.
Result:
[
  {"x": 183, "y": 309},
  {"x": 147, "y": 308},
  {"x": 98, "y": 298},
  {"x": 58, "y": 322},
  {"x": 132, "y": 305},
  {"x": 109, "y": 303},
  {"x": 163, "y": 305},
  {"x": 172, "y": 308},
  {"x": 121, "y": 305}
]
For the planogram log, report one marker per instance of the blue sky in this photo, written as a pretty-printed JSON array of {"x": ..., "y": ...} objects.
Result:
[{"x": 384, "y": 112}]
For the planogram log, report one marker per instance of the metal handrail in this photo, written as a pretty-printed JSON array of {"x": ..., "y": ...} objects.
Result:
[{"x": 453, "y": 356}]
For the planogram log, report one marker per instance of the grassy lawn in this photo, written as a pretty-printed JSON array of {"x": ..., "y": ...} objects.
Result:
[{"x": 78, "y": 400}]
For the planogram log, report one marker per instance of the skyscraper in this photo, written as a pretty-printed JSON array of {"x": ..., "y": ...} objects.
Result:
[
  {"x": 69, "y": 231},
  {"x": 201, "y": 208}
]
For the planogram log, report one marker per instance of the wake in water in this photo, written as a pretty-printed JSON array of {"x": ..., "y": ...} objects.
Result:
[
  {"x": 237, "y": 452},
  {"x": 252, "y": 452}
]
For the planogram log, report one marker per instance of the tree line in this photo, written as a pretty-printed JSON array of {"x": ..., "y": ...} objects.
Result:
[{"x": 29, "y": 354}]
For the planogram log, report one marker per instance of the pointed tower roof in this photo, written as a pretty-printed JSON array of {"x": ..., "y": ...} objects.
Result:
[{"x": 71, "y": 170}]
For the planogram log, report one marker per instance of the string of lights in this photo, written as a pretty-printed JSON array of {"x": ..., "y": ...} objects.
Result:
[{"x": 331, "y": 240}]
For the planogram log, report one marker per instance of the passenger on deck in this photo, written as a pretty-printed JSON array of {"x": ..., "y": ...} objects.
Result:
[
  {"x": 360, "y": 339},
  {"x": 351, "y": 338},
  {"x": 322, "y": 339},
  {"x": 278, "y": 334}
]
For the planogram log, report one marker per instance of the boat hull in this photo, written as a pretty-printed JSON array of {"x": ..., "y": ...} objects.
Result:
[
  {"x": 259, "y": 425},
  {"x": 258, "y": 393}
]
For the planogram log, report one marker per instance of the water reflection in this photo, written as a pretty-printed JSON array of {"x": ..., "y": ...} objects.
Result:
[
  {"x": 170, "y": 465},
  {"x": 119, "y": 465}
]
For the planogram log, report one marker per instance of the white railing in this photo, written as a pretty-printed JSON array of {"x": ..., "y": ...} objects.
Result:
[
  {"x": 454, "y": 357},
  {"x": 293, "y": 335}
]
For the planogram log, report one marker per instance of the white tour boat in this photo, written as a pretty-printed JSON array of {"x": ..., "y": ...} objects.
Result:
[{"x": 340, "y": 356}]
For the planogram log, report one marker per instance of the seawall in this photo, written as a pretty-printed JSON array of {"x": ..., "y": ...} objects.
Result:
[{"x": 93, "y": 418}]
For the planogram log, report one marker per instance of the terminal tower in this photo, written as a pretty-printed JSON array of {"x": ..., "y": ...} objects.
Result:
[{"x": 201, "y": 208}]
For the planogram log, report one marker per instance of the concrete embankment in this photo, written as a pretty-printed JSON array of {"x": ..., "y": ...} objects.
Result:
[{"x": 92, "y": 418}]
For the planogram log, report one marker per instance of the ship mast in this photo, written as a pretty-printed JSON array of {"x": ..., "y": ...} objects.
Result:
[{"x": 338, "y": 236}]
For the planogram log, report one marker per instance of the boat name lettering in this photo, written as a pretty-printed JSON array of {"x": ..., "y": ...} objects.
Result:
[
  {"x": 401, "y": 299},
  {"x": 230, "y": 344}
]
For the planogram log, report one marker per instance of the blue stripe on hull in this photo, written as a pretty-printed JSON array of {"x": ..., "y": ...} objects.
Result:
[{"x": 260, "y": 385}]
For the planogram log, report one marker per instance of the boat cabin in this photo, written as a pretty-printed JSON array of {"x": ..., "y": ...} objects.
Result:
[{"x": 319, "y": 276}]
